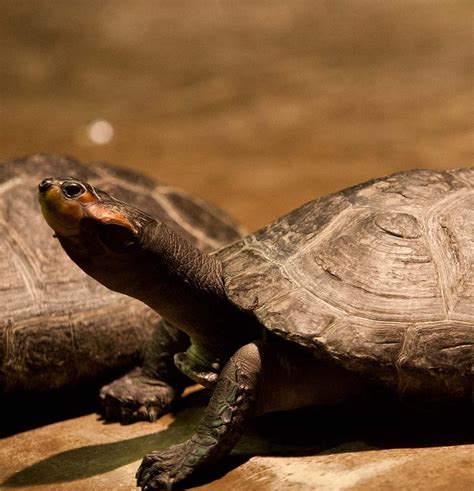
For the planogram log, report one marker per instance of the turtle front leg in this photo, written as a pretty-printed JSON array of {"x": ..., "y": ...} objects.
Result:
[
  {"x": 147, "y": 392},
  {"x": 232, "y": 406}
]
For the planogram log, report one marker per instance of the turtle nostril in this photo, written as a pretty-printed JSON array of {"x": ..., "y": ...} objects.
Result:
[{"x": 45, "y": 184}]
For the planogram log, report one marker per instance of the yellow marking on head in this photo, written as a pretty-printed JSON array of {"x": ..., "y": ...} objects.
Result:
[{"x": 61, "y": 214}]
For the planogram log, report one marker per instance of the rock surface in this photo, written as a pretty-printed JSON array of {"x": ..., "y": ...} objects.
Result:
[{"x": 280, "y": 453}]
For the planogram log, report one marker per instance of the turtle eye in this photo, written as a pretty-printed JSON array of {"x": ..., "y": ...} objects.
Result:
[{"x": 73, "y": 189}]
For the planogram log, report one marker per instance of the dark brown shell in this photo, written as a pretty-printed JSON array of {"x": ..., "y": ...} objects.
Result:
[
  {"x": 378, "y": 277},
  {"x": 57, "y": 325}
]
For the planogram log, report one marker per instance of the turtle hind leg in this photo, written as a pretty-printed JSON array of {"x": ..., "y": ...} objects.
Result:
[
  {"x": 232, "y": 406},
  {"x": 148, "y": 392}
]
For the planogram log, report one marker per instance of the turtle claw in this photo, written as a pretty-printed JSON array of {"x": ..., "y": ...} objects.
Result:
[
  {"x": 136, "y": 397},
  {"x": 141, "y": 414},
  {"x": 108, "y": 413},
  {"x": 126, "y": 415},
  {"x": 153, "y": 413},
  {"x": 164, "y": 469}
]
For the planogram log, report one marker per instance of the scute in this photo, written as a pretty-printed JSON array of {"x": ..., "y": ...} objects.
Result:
[
  {"x": 445, "y": 347},
  {"x": 57, "y": 325},
  {"x": 353, "y": 275},
  {"x": 400, "y": 225},
  {"x": 200, "y": 216}
]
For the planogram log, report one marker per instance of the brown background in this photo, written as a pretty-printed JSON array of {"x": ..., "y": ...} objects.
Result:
[{"x": 257, "y": 106}]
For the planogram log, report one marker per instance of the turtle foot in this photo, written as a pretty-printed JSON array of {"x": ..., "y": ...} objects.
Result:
[
  {"x": 136, "y": 397},
  {"x": 165, "y": 469}
]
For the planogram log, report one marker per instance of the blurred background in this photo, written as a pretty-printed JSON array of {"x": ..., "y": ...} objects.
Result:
[{"x": 256, "y": 106}]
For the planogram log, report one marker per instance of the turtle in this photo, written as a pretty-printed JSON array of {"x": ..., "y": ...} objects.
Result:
[
  {"x": 371, "y": 286},
  {"x": 60, "y": 329}
]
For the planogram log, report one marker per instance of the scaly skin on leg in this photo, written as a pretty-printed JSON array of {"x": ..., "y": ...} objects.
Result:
[
  {"x": 260, "y": 378},
  {"x": 232, "y": 406},
  {"x": 147, "y": 392}
]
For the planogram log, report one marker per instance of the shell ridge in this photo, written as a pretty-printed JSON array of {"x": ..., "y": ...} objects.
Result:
[
  {"x": 448, "y": 282},
  {"x": 323, "y": 300},
  {"x": 327, "y": 231}
]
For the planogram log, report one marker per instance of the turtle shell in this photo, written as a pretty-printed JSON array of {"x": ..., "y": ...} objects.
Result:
[
  {"x": 57, "y": 325},
  {"x": 378, "y": 278}
]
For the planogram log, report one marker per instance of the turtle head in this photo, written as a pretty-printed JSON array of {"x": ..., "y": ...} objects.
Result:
[
  {"x": 101, "y": 234},
  {"x": 77, "y": 211}
]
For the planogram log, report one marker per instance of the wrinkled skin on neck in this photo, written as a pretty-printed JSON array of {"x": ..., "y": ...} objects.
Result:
[{"x": 172, "y": 277}]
